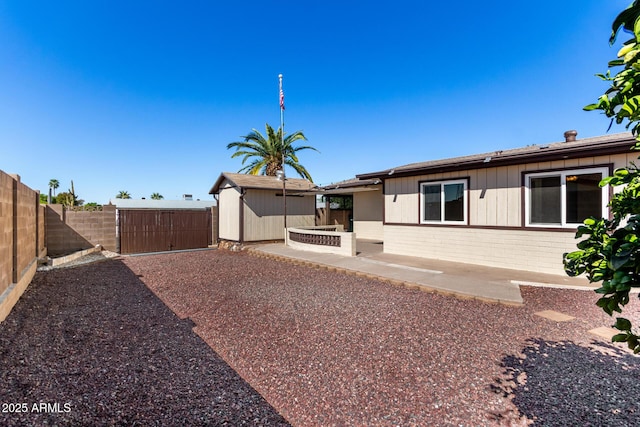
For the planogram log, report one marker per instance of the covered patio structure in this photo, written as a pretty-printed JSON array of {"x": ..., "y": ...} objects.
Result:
[{"x": 366, "y": 206}]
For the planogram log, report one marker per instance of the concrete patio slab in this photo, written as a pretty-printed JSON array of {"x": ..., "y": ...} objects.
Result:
[{"x": 463, "y": 282}]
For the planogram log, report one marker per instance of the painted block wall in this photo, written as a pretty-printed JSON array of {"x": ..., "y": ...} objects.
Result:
[{"x": 70, "y": 231}]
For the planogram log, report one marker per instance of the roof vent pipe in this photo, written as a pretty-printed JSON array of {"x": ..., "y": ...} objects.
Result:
[{"x": 570, "y": 135}]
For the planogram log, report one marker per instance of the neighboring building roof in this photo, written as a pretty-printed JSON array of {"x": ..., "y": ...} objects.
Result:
[
  {"x": 161, "y": 204},
  {"x": 261, "y": 182},
  {"x": 587, "y": 147}
]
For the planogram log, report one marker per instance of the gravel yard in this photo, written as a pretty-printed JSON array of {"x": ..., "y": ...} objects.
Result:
[
  {"x": 92, "y": 345},
  {"x": 322, "y": 348}
]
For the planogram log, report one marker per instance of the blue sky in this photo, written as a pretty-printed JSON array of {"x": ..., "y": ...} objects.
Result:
[{"x": 144, "y": 96}]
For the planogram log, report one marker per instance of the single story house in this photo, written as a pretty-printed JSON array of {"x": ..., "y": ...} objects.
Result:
[
  {"x": 251, "y": 208},
  {"x": 516, "y": 208}
]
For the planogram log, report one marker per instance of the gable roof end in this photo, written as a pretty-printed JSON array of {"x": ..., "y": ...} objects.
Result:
[{"x": 261, "y": 182}]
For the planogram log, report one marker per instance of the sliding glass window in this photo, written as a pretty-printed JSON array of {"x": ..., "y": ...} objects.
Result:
[
  {"x": 443, "y": 202},
  {"x": 565, "y": 198}
]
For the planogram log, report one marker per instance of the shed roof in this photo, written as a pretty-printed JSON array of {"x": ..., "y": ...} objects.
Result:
[
  {"x": 261, "y": 182},
  {"x": 587, "y": 147}
]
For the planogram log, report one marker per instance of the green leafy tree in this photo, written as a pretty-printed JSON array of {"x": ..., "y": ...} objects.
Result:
[
  {"x": 54, "y": 184},
  {"x": 610, "y": 252},
  {"x": 157, "y": 196},
  {"x": 123, "y": 195},
  {"x": 266, "y": 153},
  {"x": 44, "y": 199}
]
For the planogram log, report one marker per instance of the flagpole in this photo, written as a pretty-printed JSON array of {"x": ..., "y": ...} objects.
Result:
[{"x": 284, "y": 176}]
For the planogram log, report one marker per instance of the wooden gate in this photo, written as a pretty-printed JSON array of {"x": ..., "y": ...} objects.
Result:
[{"x": 163, "y": 230}]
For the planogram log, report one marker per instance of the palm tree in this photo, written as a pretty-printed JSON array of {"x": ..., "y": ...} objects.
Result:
[
  {"x": 157, "y": 196},
  {"x": 54, "y": 184},
  {"x": 268, "y": 152},
  {"x": 123, "y": 195}
]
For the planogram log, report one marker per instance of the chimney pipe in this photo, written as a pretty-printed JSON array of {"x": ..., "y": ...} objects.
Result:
[{"x": 570, "y": 135}]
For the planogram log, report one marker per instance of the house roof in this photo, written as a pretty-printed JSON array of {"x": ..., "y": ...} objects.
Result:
[
  {"x": 352, "y": 182},
  {"x": 352, "y": 185},
  {"x": 587, "y": 147},
  {"x": 161, "y": 204},
  {"x": 261, "y": 182}
]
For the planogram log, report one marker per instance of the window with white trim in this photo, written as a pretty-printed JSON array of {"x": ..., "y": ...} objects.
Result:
[
  {"x": 565, "y": 198},
  {"x": 443, "y": 202}
]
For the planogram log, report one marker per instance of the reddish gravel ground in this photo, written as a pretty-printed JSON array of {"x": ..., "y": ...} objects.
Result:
[
  {"x": 325, "y": 348},
  {"x": 92, "y": 346}
]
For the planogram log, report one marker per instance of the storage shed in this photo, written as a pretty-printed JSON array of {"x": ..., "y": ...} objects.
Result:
[{"x": 252, "y": 208}]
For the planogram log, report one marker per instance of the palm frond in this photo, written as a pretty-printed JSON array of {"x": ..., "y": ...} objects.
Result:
[
  {"x": 300, "y": 170},
  {"x": 265, "y": 154},
  {"x": 253, "y": 168}
]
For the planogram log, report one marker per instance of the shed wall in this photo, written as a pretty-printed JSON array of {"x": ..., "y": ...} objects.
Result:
[
  {"x": 229, "y": 213},
  {"x": 263, "y": 214}
]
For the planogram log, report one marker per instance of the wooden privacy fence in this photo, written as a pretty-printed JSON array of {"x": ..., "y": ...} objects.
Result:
[
  {"x": 21, "y": 239},
  {"x": 344, "y": 217},
  {"x": 164, "y": 230}
]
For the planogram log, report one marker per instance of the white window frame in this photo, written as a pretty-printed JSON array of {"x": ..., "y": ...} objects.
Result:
[
  {"x": 604, "y": 171},
  {"x": 442, "y": 183}
]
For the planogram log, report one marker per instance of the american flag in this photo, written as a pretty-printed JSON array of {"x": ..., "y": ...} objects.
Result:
[{"x": 281, "y": 97}]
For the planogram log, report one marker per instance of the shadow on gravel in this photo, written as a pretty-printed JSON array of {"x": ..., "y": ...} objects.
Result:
[
  {"x": 562, "y": 383},
  {"x": 92, "y": 345}
]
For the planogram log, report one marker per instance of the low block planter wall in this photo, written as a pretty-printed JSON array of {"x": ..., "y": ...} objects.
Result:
[{"x": 322, "y": 238}]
